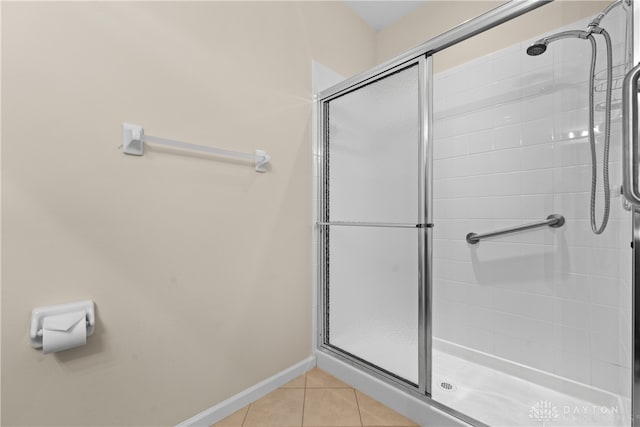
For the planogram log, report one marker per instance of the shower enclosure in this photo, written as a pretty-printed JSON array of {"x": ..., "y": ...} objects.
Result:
[{"x": 456, "y": 258}]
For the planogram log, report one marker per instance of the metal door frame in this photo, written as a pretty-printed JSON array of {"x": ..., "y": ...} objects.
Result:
[
  {"x": 633, "y": 26},
  {"x": 634, "y": 17},
  {"x": 424, "y": 233},
  {"x": 422, "y": 56}
]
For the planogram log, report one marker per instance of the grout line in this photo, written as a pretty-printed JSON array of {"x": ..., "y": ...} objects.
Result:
[
  {"x": 358, "y": 405},
  {"x": 329, "y": 388},
  {"x": 304, "y": 401},
  {"x": 304, "y": 398},
  {"x": 246, "y": 415}
]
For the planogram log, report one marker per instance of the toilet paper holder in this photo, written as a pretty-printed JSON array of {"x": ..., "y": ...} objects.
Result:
[{"x": 38, "y": 315}]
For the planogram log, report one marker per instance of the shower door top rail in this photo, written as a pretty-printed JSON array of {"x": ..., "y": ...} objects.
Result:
[
  {"x": 457, "y": 34},
  {"x": 553, "y": 220}
]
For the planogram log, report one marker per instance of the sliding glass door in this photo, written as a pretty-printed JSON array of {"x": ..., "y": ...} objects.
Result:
[
  {"x": 531, "y": 322},
  {"x": 372, "y": 224}
]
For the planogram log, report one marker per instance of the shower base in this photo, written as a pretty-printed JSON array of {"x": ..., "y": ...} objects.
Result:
[
  {"x": 498, "y": 392},
  {"x": 501, "y": 397}
]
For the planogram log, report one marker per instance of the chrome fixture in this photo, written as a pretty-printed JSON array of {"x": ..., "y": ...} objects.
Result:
[
  {"x": 538, "y": 48},
  {"x": 597, "y": 19},
  {"x": 553, "y": 220},
  {"x": 630, "y": 137}
]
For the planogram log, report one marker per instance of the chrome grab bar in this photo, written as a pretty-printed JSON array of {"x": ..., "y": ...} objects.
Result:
[
  {"x": 630, "y": 136},
  {"x": 553, "y": 220}
]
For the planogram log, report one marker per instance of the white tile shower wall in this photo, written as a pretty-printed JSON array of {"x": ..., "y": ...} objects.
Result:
[{"x": 510, "y": 147}]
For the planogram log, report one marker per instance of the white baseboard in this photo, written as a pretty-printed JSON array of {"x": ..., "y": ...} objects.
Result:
[
  {"x": 242, "y": 399},
  {"x": 415, "y": 409}
]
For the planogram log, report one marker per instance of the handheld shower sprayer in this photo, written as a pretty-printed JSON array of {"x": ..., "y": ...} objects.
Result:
[{"x": 538, "y": 48}]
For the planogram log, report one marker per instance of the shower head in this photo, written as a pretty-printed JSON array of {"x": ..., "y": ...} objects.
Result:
[
  {"x": 540, "y": 46},
  {"x": 536, "y": 49}
]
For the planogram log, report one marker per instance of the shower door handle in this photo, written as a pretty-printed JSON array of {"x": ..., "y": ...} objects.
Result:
[{"x": 630, "y": 137}]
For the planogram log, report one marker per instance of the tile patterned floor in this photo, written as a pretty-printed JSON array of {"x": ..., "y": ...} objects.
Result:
[{"x": 316, "y": 399}]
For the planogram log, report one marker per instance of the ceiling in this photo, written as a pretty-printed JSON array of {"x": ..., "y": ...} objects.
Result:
[{"x": 380, "y": 14}]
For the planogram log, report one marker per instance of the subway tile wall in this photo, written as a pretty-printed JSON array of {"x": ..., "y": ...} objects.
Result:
[{"x": 511, "y": 146}]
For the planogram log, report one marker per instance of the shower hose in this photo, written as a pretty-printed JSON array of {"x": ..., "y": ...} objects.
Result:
[{"x": 607, "y": 133}]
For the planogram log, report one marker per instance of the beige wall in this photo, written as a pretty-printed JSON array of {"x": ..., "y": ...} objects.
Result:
[
  {"x": 200, "y": 268},
  {"x": 436, "y": 17}
]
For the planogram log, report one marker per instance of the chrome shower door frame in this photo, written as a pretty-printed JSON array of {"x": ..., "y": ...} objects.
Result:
[
  {"x": 423, "y": 229},
  {"x": 634, "y": 24},
  {"x": 422, "y": 56}
]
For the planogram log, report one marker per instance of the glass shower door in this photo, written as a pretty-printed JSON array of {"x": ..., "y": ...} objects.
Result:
[
  {"x": 522, "y": 329},
  {"x": 370, "y": 217}
]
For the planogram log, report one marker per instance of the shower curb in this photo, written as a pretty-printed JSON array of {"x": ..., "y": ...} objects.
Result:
[{"x": 227, "y": 407}]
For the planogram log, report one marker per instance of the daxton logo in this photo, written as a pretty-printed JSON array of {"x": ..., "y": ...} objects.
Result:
[
  {"x": 546, "y": 412},
  {"x": 543, "y": 412}
]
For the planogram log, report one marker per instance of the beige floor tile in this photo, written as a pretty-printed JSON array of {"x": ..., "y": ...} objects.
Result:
[
  {"x": 296, "y": 383},
  {"x": 282, "y": 408},
  {"x": 234, "y": 420},
  {"x": 374, "y": 413},
  {"x": 328, "y": 407},
  {"x": 317, "y": 378}
]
